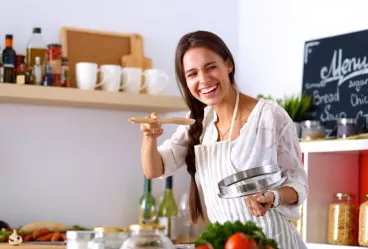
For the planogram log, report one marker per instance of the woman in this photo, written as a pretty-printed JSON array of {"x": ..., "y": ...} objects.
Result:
[{"x": 232, "y": 132}]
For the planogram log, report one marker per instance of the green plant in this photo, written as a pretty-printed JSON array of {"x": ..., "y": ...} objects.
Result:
[
  {"x": 261, "y": 96},
  {"x": 297, "y": 106}
]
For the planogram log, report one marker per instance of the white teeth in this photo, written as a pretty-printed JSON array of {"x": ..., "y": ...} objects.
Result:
[{"x": 209, "y": 89}]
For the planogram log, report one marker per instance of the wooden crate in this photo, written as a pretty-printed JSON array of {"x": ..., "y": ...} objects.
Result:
[{"x": 101, "y": 47}]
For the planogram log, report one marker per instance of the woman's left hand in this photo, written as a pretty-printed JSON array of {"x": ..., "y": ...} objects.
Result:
[{"x": 258, "y": 204}]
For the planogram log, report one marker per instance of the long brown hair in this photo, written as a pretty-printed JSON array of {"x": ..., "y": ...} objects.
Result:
[{"x": 217, "y": 45}]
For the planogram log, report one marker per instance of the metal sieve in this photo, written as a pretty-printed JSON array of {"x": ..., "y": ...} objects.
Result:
[{"x": 251, "y": 181}]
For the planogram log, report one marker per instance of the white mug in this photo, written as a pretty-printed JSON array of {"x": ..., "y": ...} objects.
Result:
[
  {"x": 113, "y": 77},
  {"x": 155, "y": 80},
  {"x": 86, "y": 75},
  {"x": 132, "y": 79}
]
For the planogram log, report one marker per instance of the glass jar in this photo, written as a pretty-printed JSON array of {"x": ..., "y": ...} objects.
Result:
[
  {"x": 363, "y": 223},
  {"x": 347, "y": 127},
  {"x": 78, "y": 239},
  {"x": 312, "y": 129},
  {"x": 108, "y": 238},
  {"x": 54, "y": 60},
  {"x": 342, "y": 221},
  {"x": 147, "y": 237}
]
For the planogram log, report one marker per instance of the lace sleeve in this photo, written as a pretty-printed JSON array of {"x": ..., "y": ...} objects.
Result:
[
  {"x": 174, "y": 150},
  {"x": 289, "y": 157}
]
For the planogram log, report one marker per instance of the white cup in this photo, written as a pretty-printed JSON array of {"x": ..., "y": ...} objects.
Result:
[
  {"x": 113, "y": 77},
  {"x": 155, "y": 80},
  {"x": 132, "y": 79},
  {"x": 86, "y": 75}
]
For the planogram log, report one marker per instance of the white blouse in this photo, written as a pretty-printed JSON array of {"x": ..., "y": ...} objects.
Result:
[{"x": 269, "y": 137}]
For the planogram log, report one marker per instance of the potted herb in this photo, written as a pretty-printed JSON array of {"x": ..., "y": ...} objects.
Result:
[{"x": 296, "y": 107}]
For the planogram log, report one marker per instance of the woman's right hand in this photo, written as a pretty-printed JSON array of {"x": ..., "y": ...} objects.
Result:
[{"x": 152, "y": 130}]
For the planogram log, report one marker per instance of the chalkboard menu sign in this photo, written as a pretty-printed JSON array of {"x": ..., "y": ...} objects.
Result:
[{"x": 335, "y": 73}]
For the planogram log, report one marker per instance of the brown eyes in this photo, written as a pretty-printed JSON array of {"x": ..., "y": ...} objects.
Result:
[{"x": 194, "y": 73}]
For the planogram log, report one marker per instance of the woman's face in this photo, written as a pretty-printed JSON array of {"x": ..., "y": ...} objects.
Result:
[{"x": 207, "y": 75}]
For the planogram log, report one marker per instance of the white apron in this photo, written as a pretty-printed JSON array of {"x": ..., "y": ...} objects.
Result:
[{"x": 213, "y": 163}]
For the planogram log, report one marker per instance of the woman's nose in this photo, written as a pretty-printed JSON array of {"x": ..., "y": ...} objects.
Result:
[{"x": 203, "y": 77}]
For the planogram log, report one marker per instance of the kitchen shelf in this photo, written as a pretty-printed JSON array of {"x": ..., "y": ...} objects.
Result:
[
  {"x": 327, "y": 246},
  {"x": 334, "y": 146},
  {"x": 332, "y": 166},
  {"x": 95, "y": 99}
]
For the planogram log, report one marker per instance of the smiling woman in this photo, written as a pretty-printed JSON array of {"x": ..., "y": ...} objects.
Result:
[{"x": 232, "y": 132}]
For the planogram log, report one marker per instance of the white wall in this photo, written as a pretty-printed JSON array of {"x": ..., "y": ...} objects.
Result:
[
  {"x": 83, "y": 166},
  {"x": 272, "y": 36}
]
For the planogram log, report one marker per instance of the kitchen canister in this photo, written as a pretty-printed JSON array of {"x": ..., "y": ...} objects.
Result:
[{"x": 78, "y": 239}]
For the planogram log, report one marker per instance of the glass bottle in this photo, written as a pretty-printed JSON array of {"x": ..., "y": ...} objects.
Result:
[
  {"x": 342, "y": 221},
  {"x": 168, "y": 210},
  {"x": 36, "y": 47},
  {"x": 147, "y": 237},
  {"x": 37, "y": 72},
  {"x": 1, "y": 67},
  {"x": 363, "y": 222},
  {"x": 147, "y": 205},
  {"x": 9, "y": 60}
]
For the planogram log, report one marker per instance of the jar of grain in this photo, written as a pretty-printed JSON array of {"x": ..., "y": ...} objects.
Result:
[
  {"x": 363, "y": 223},
  {"x": 342, "y": 220}
]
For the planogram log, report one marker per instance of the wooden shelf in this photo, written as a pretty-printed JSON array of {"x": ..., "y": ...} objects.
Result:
[
  {"x": 334, "y": 146},
  {"x": 327, "y": 246},
  {"x": 95, "y": 99}
]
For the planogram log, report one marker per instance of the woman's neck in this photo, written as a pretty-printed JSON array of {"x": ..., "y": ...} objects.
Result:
[{"x": 225, "y": 108}]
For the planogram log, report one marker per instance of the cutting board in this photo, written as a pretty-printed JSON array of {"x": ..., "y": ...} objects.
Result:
[
  {"x": 28, "y": 246},
  {"x": 101, "y": 47}
]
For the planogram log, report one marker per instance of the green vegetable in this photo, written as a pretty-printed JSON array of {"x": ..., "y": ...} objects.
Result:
[
  {"x": 4, "y": 234},
  {"x": 218, "y": 234}
]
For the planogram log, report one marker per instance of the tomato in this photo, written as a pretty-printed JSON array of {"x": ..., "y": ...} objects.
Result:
[
  {"x": 239, "y": 241},
  {"x": 206, "y": 246}
]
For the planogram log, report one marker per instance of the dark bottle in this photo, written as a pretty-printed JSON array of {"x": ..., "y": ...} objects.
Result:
[
  {"x": 48, "y": 79},
  {"x": 9, "y": 60}
]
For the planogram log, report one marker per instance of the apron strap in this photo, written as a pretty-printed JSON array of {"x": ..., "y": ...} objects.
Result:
[
  {"x": 234, "y": 115},
  {"x": 231, "y": 129}
]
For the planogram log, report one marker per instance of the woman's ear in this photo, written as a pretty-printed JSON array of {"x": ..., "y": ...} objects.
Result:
[{"x": 229, "y": 66}]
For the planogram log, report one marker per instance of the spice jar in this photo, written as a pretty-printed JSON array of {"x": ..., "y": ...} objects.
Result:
[
  {"x": 347, "y": 127},
  {"x": 312, "y": 129},
  {"x": 342, "y": 220},
  {"x": 363, "y": 223},
  {"x": 108, "y": 238},
  {"x": 147, "y": 237},
  {"x": 55, "y": 62}
]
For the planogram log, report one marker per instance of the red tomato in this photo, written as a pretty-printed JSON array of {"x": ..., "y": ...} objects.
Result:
[
  {"x": 206, "y": 246},
  {"x": 239, "y": 241}
]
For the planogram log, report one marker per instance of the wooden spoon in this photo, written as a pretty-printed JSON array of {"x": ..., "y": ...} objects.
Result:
[{"x": 174, "y": 120}]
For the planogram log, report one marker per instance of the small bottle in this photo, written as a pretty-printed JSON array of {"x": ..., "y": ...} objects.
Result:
[
  {"x": 168, "y": 211},
  {"x": 147, "y": 205},
  {"x": 37, "y": 72},
  {"x": 48, "y": 79},
  {"x": 9, "y": 60},
  {"x": 21, "y": 75},
  {"x": 1, "y": 67}
]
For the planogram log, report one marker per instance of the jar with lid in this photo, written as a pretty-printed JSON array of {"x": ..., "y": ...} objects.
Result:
[
  {"x": 312, "y": 129},
  {"x": 363, "y": 222},
  {"x": 54, "y": 60},
  {"x": 342, "y": 220},
  {"x": 108, "y": 238},
  {"x": 347, "y": 127},
  {"x": 147, "y": 237}
]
